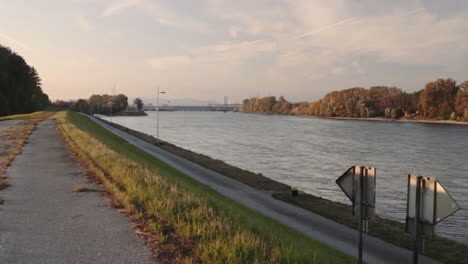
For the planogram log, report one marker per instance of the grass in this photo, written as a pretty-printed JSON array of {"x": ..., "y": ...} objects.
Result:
[
  {"x": 190, "y": 222},
  {"x": 13, "y": 139},
  {"x": 441, "y": 249},
  {"x": 84, "y": 188}
]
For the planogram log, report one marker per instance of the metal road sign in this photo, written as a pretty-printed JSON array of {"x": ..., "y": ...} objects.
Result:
[
  {"x": 358, "y": 183},
  {"x": 350, "y": 183},
  {"x": 428, "y": 204}
]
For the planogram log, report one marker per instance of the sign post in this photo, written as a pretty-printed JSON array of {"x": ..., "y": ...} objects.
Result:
[
  {"x": 428, "y": 204},
  {"x": 358, "y": 183}
]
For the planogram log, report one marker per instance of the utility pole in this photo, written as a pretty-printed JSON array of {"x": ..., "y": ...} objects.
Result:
[
  {"x": 112, "y": 100},
  {"x": 157, "y": 114},
  {"x": 157, "y": 117}
]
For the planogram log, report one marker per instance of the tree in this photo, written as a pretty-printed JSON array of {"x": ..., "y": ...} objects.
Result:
[
  {"x": 120, "y": 102},
  {"x": 438, "y": 98},
  {"x": 138, "y": 103},
  {"x": 95, "y": 104},
  {"x": 461, "y": 101},
  {"x": 81, "y": 105},
  {"x": 382, "y": 97},
  {"x": 20, "y": 85}
]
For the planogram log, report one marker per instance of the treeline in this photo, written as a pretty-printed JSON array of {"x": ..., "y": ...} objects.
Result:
[
  {"x": 20, "y": 85},
  {"x": 96, "y": 104},
  {"x": 441, "y": 99}
]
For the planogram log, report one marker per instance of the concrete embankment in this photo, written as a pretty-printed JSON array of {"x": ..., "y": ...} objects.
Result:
[{"x": 43, "y": 221}]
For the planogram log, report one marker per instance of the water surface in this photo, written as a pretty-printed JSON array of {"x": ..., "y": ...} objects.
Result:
[{"x": 312, "y": 153}]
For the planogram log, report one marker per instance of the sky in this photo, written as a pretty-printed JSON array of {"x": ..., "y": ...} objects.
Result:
[{"x": 208, "y": 49}]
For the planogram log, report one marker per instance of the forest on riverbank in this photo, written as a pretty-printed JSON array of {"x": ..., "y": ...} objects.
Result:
[
  {"x": 96, "y": 104},
  {"x": 442, "y": 99},
  {"x": 20, "y": 85}
]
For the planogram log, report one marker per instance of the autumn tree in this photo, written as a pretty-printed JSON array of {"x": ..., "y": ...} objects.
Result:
[
  {"x": 95, "y": 104},
  {"x": 281, "y": 106},
  {"x": 461, "y": 101},
  {"x": 438, "y": 98},
  {"x": 382, "y": 98}
]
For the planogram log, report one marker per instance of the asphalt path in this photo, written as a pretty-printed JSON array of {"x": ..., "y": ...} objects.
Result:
[
  {"x": 312, "y": 225},
  {"x": 43, "y": 221}
]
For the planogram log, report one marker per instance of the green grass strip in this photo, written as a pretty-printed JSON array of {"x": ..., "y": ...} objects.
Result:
[{"x": 244, "y": 236}]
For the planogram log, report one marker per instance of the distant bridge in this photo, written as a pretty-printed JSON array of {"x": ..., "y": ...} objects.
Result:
[{"x": 210, "y": 108}]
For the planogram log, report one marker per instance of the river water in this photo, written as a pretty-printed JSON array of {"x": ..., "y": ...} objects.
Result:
[{"x": 312, "y": 153}]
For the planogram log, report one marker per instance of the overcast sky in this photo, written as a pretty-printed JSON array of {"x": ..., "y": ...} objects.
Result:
[{"x": 208, "y": 49}]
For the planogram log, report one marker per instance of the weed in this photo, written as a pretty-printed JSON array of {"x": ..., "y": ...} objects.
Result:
[{"x": 84, "y": 188}]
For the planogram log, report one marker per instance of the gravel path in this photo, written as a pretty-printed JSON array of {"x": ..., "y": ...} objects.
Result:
[
  {"x": 43, "y": 221},
  {"x": 312, "y": 225}
]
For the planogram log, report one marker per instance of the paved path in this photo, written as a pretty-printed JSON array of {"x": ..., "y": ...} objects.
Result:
[
  {"x": 312, "y": 225},
  {"x": 43, "y": 221}
]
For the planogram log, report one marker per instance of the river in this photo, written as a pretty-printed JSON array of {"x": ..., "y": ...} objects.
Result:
[{"x": 312, "y": 153}]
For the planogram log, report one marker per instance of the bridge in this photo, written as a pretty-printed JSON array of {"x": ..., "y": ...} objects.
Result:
[{"x": 209, "y": 108}]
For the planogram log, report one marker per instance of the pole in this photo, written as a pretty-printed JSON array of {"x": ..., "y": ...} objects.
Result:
[
  {"x": 112, "y": 104},
  {"x": 418, "y": 225},
  {"x": 361, "y": 212},
  {"x": 157, "y": 117},
  {"x": 112, "y": 100}
]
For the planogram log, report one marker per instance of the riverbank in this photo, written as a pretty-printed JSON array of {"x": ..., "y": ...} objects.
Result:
[
  {"x": 383, "y": 119},
  {"x": 388, "y": 230},
  {"x": 187, "y": 220},
  {"x": 130, "y": 113},
  {"x": 379, "y": 119}
]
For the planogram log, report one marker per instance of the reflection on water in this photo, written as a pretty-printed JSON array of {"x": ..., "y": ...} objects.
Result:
[{"x": 311, "y": 153}]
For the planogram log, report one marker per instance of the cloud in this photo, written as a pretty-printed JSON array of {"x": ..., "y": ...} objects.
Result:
[
  {"x": 14, "y": 41},
  {"x": 303, "y": 41},
  {"x": 330, "y": 26},
  {"x": 255, "y": 18},
  {"x": 338, "y": 70},
  {"x": 167, "y": 16},
  {"x": 84, "y": 24},
  {"x": 161, "y": 14},
  {"x": 118, "y": 6},
  {"x": 234, "y": 31},
  {"x": 398, "y": 37},
  {"x": 115, "y": 34},
  {"x": 212, "y": 63},
  {"x": 83, "y": 61},
  {"x": 168, "y": 62}
]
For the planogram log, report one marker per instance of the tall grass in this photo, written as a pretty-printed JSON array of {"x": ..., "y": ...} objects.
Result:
[{"x": 204, "y": 226}]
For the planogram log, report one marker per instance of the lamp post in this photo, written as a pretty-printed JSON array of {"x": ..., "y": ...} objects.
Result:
[
  {"x": 157, "y": 116},
  {"x": 112, "y": 100}
]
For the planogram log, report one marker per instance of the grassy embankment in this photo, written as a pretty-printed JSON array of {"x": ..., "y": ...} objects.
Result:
[
  {"x": 13, "y": 139},
  {"x": 189, "y": 221},
  {"x": 442, "y": 249}
]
